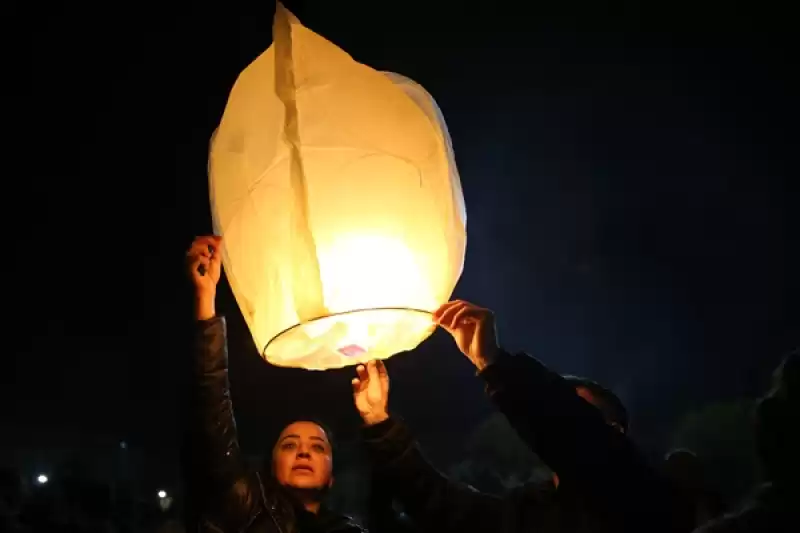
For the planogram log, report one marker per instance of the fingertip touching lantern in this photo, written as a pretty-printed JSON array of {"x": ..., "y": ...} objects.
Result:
[{"x": 336, "y": 192}]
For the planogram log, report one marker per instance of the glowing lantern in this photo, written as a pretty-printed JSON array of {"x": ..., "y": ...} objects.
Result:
[{"x": 336, "y": 191}]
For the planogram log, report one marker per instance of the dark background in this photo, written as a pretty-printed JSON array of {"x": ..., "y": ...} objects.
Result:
[{"x": 626, "y": 167}]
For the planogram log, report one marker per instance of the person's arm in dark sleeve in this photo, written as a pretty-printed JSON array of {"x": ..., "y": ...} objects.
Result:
[
  {"x": 431, "y": 500},
  {"x": 573, "y": 439},
  {"x": 229, "y": 494}
]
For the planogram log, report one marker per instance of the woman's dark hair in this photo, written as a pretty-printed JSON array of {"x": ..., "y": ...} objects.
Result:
[{"x": 609, "y": 403}]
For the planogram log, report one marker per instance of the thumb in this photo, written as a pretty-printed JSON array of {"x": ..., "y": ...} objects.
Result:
[
  {"x": 356, "y": 383},
  {"x": 381, "y": 367},
  {"x": 372, "y": 371}
]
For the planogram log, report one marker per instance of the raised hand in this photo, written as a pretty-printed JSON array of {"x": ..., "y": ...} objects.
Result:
[
  {"x": 472, "y": 328},
  {"x": 204, "y": 263},
  {"x": 371, "y": 392}
]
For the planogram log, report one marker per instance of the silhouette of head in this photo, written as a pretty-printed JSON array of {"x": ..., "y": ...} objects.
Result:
[
  {"x": 777, "y": 415},
  {"x": 611, "y": 407},
  {"x": 684, "y": 468}
]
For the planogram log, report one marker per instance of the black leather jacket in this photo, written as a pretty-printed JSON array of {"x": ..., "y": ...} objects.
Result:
[
  {"x": 605, "y": 484},
  {"x": 225, "y": 495}
]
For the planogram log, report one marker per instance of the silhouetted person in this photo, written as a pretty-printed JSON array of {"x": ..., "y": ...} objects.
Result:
[
  {"x": 576, "y": 427},
  {"x": 10, "y": 500},
  {"x": 287, "y": 497},
  {"x": 775, "y": 507},
  {"x": 685, "y": 470}
]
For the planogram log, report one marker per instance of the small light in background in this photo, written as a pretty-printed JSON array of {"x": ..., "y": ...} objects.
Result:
[
  {"x": 164, "y": 500},
  {"x": 123, "y": 445},
  {"x": 42, "y": 479}
]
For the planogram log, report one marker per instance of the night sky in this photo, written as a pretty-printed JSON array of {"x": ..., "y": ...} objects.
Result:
[{"x": 627, "y": 174}]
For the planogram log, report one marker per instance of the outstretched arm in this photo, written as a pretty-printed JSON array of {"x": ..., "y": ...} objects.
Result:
[
  {"x": 401, "y": 471},
  {"x": 229, "y": 495},
  {"x": 567, "y": 432}
]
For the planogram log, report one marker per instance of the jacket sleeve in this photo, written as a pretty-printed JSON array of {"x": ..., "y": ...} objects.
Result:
[
  {"x": 229, "y": 495},
  {"x": 432, "y": 501},
  {"x": 572, "y": 438}
]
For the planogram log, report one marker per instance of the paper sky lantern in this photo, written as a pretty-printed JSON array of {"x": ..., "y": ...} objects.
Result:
[{"x": 336, "y": 191}]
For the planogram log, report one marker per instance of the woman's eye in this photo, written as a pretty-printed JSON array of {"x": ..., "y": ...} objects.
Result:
[
  {"x": 319, "y": 448},
  {"x": 288, "y": 445}
]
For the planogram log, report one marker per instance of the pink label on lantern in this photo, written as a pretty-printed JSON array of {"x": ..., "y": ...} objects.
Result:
[{"x": 351, "y": 350}]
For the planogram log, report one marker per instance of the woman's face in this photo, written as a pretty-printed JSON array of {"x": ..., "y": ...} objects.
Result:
[{"x": 302, "y": 457}]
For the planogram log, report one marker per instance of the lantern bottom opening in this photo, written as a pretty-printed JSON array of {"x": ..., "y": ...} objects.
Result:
[{"x": 349, "y": 338}]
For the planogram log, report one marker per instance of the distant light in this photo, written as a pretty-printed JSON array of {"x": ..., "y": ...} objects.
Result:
[
  {"x": 42, "y": 479},
  {"x": 162, "y": 494},
  {"x": 123, "y": 445}
]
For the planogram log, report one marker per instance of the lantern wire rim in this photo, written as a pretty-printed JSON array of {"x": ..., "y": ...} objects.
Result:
[{"x": 344, "y": 313}]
